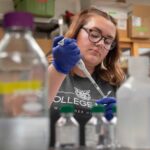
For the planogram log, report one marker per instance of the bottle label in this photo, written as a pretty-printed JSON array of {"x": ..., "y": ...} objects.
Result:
[
  {"x": 21, "y": 98},
  {"x": 67, "y": 135},
  {"x": 19, "y": 86},
  {"x": 92, "y": 136}
]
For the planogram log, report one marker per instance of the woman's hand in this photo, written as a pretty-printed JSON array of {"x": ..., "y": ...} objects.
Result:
[
  {"x": 108, "y": 102},
  {"x": 66, "y": 54}
]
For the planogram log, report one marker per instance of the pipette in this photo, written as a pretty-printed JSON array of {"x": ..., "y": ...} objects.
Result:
[{"x": 82, "y": 67}]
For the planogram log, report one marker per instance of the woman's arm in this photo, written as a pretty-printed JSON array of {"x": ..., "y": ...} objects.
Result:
[
  {"x": 55, "y": 80},
  {"x": 65, "y": 55}
]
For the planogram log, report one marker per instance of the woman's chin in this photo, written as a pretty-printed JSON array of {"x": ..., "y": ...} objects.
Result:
[{"x": 92, "y": 63}]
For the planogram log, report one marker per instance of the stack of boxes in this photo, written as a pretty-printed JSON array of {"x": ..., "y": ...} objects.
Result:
[
  {"x": 133, "y": 20},
  {"x": 133, "y": 24},
  {"x": 139, "y": 21}
]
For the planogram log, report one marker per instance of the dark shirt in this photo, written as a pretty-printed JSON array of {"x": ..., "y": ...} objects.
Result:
[{"x": 80, "y": 92}]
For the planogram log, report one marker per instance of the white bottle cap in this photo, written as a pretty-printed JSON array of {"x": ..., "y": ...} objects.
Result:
[{"x": 138, "y": 65}]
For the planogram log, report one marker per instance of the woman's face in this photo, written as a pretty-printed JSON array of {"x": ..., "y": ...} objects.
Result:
[{"x": 94, "y": 53}]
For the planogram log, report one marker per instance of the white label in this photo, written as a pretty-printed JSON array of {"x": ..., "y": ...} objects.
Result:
[
  {"x": 136, "y": 21},
  {"x": 91, "y": 136},
  {"x": 67, "y": 134},
  {"x": 122, "y": 24}
]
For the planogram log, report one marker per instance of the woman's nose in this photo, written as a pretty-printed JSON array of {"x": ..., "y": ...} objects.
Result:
[{"x": 101, "y": 42}]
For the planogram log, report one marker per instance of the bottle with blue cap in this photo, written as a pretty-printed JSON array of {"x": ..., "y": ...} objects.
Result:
[
  {"x": 109, "y": 127},
  {"x": 24, "y": 122}
]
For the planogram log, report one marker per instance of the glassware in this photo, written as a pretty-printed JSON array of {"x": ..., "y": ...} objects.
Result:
[
  {"x": 24, "y": 122},
  {"x": 133, "y": 113},
  {"x": 67, "y": 129},
  {"x": 94, "y": 134}
]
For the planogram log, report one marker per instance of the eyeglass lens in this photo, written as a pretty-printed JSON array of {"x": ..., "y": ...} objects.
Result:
[{"x": 96, "y": 36}]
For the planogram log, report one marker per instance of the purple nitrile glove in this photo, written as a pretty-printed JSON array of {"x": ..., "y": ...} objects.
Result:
[
  {"x": 108, "y": 103},
  {"x": 57, "y": 39},
  {"x": 66, "y": 54}
]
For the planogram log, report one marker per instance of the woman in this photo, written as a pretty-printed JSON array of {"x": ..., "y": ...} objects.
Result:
[{"x": 92, "y": 37}]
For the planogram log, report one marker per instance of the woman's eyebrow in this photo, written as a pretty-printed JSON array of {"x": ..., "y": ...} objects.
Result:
[
  {"x": 109, "y": 36},
  {"x": 99, "y": 30}
]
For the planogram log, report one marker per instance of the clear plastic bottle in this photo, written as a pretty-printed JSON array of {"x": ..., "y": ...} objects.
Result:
[
  {"x": 67, "y": 129},
  {"x": 24, "y": 122},
  {"x": 133, "y": 126},
  {"x": 94, "y": 134},
  {"x": 110, "y": 139}
]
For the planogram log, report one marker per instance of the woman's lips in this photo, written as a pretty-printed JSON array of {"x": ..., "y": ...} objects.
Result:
[{"x": 94, "y": 52}]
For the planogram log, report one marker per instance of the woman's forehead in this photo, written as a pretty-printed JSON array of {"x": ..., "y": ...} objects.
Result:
[
  {"x": 97, "y": 20},
  {"x": 101, "y": 23}
]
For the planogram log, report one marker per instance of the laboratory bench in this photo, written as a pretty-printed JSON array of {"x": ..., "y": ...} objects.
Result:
[{"x": 85, "y": 148}]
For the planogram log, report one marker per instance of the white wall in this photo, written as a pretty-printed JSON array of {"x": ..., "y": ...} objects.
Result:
[
  {"x": 139, "y": 1},
  {"x": 87, "y": 3},
  {"x": 62, "y": 5}
]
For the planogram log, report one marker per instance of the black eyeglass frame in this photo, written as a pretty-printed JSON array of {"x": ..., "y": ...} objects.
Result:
[{"x": 101, "y": 38}]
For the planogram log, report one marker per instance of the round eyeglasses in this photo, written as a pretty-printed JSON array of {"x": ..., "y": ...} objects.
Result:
[{"x": 96, "y": 36}]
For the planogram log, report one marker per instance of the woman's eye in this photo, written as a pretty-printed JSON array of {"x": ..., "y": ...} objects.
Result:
[
  {"x": 95, "y": 35},
  {"x": 108, "y": 41}
]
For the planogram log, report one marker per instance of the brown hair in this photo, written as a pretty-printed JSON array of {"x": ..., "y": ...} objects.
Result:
[{"x": 112, "y": 72}]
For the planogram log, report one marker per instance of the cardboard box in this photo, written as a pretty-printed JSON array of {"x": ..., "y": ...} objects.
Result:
[
  {"x": 139, "y": 10},
  {"x": 122, "y": 27},
  {"x": 138, "y": 27},
  {"x": 122, "y": 33},
  {"x": 1, "y": 33},
  {"x": 139, "y": 21},
  {"x": 45, "y": 44}
]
